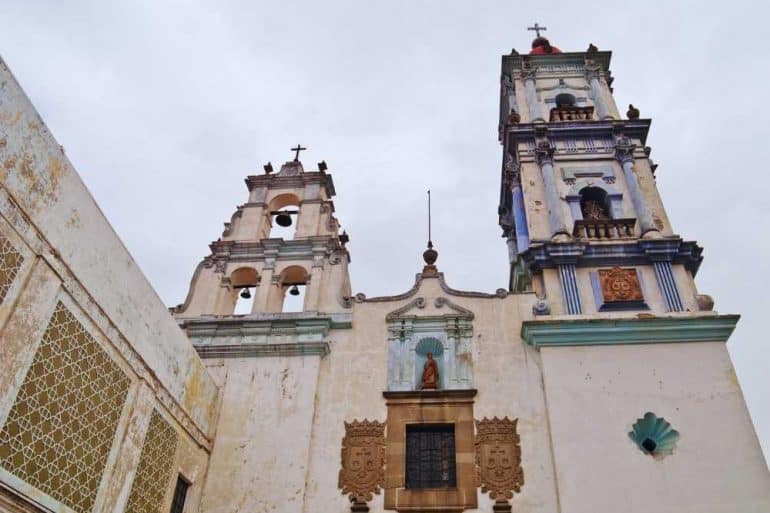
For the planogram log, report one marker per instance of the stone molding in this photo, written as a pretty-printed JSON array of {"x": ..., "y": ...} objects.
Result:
[
  {"x": 13, "y": 501},
  {"x": 430, "y": 406},
  {"x": 298, "y": 181},
  {"x": 599, "y": 332},
  {"x": 264, "y": 350},
  {"x": 361, "y": 298},
  {"x": 267, "y": 324},
  {"x": 545, "y": 255}
]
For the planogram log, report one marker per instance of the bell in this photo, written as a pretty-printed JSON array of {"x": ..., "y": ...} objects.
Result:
[
  {"x": 283, "y": 219},
  {"x": 245, "y": 294},
  {"x": 294, "y": 291}
]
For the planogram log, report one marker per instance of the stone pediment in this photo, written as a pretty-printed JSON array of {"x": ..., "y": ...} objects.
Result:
[
  {"x": 439, "y": 307},
  {"x": 418, "y": 282}
]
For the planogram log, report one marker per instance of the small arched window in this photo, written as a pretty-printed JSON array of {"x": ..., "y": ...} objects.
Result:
[{"x": 593, "y": 204}]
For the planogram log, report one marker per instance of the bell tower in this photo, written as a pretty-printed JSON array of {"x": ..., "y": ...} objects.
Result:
[
  {"x": 584, "y": 222},
  {"x": 284, "y": 241}
]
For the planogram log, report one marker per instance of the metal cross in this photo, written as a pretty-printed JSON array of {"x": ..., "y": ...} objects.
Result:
[
  {"x": 537, "y": 28},
  {"x": 298, "y": 149}
]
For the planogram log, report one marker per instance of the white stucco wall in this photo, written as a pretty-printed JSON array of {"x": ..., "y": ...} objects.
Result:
[{"x": 595, "y": 394}]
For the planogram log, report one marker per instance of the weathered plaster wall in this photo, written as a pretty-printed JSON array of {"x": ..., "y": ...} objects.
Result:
[
  {"x": 595, "y": 394},
  {"x": 72, "y": 257},
  {"x": 282, "y": 421},
  {"x": 260, "y": 457},
  {"x": 40, "y": 179}
]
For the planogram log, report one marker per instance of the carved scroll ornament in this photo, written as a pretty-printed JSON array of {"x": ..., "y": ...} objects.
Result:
[
  {"x": 498, "y": 458},
  {"x": 363, "y": 460},
  {"x": 620, "y": 285}
]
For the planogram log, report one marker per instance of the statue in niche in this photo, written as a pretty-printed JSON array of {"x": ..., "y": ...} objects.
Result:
[{"x": 430, "y": 374}]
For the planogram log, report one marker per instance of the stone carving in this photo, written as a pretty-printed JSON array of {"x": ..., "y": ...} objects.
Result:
[
  {"x": 620, "y": 285},
  {"x": 363, "y": 460},
  {"x": 430, "y": 374},
  {"x": 654, "y": 435},
  {"x": 498, "y": 460},
  {"x": 540, "y": 307}
]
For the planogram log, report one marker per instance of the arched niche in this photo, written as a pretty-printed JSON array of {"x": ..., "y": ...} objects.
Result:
[
  {"x": 286, "y": 204},
  {"x": 293, "y": 278},
  {"x": 411, "y": 336},
  {"x": 433, "y": 346},
  {"x": 613, "y": 196},
  {"x": 243, "y": 282}
]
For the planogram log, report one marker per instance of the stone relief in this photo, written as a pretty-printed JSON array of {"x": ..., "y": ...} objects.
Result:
[
  {"x": 363, "y": 460},
  {"x": 620, "y": 285},
  {"x": 498, "y": 459}
]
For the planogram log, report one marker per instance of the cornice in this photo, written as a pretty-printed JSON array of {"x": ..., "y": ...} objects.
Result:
[
  {"x": 514, "y": 61},
  {"x": 428, "y": 396},
  {"x": 635, "y": 129},
  {"x": 275, "y": 181},
  {"x": 265, "y": 324},
  {"x": 659, "y": 330},
  {"x": 545, "y": 255},
  {"x": 419, "y": 277},
  {"x": 264, "y": 350}
]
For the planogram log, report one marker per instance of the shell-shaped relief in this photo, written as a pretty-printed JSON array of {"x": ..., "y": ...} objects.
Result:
[{"x": 654, "y": 435}]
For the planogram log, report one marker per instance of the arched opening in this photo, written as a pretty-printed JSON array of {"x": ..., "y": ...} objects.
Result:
[
  {"x": 244, "y": 281},
  {"x": 293, "y": 287},
  {"x": 594, "y": 205},
  {"x": 283, "y": 215}
]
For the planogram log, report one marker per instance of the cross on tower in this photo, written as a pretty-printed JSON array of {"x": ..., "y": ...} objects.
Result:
[
  {"x": 537, "y": 28},
  {"x": 298, "y": 149}
]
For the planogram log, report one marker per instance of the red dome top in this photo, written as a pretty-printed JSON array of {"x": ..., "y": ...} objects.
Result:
[{"x": 541, "y": 46}]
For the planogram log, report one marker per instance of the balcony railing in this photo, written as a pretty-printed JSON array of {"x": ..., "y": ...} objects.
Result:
[
  {"x": 605, "y": 229},
  {"x": 572, "y": 114}
]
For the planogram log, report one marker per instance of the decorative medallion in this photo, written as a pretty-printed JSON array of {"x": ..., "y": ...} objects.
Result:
[
  {"x": 619, "y": 285},
  {"x": 654, "y": 435},
  {"x": 363, "y": 459},
  {"x": 498, "y": 458}
]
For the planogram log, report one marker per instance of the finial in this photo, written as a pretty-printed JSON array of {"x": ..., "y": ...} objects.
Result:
[
  {"x": 344, "y": 238},
  {"x": 322, "y": 166},
  {"x": 298, "y": 149},
  {"x": 592, "y": 49},
  {"x": 430, "y": 255},
  {"x": 633, "y": 112},
  {"x": 268, "y": 168},
  {"x": 537, "y": 28}
]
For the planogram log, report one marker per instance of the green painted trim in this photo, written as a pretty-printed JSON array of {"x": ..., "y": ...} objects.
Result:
[{"x": 599, "y": 332}]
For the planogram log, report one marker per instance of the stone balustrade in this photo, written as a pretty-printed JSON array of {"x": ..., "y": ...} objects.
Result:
[
  {"x": 605, "y": 229},
  {"x": 572, "y": 114}
]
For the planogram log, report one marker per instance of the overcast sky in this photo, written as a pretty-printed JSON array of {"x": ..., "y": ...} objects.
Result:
[{"x": 164, "y": 108}]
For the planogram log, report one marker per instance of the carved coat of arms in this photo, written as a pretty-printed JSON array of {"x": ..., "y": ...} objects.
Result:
[
  {"x": 620, "y": 285},
  {"x": 498, "y": 458},
  {"x": 363, "y": 459}
]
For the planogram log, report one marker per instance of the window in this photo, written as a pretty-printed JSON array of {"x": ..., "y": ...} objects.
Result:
[
  {"x": 430, "y": 456},
  {"x": 593, "y": 204},
  {"x": 180, "y": 495}
]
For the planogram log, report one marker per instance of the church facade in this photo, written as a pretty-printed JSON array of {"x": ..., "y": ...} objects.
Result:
[{"x": 596, "y": 380}]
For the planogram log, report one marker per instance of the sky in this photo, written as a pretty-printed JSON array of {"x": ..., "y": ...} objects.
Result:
[{"x": 164, "y": 108}]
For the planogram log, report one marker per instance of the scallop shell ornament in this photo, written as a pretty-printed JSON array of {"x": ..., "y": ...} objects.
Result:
[{"x": 654, "y": 435}]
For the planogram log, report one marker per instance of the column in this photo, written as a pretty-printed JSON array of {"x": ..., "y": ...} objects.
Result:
[
  {"x": 519, "y": 218},
  {"x": 624, "y": 154},
  {"x": 262, "y": 293},
  {"x": 313, "y": 288},
  {"x": 531, "y": 95},
  {"x": 570, "y": 289},
  {"x": 544, "y": 155},
  {"x": 668, "y": 287},
  {"x": 597, "y": 93}
]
